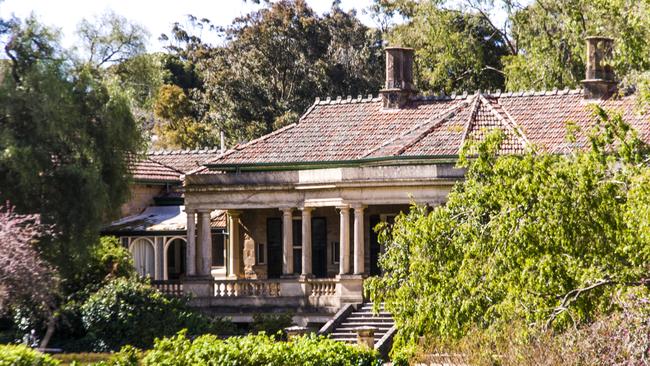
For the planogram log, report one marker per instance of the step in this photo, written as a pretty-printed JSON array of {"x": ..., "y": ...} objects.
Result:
[
  {"x": 348, "y": 334},
  {"x": 356, "y": 319},
  {"x": 368, "y": 313}
]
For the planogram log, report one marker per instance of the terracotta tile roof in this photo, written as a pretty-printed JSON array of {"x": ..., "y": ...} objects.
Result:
[
  {"x": 166, "y": 166},
  {"x": 183, "y": 160},
  {"x": 357, "y": 129},
  {"x": 152, "y": 171}
]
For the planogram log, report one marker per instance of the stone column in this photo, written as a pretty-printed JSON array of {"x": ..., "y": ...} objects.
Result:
[
  {"x": 205, "y": 240},
  {"x": 190, "y": 255},
  {"x": 287, "y": 241},
  {"x": 306, "y": 241},
  {"x": 359, "y": 245},
  {"x": 344, "y": 255},
  {"x": 233, "y": 245}
]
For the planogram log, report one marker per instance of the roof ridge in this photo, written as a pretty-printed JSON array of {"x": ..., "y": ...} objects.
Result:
[
  {"x": 348, "y": 100},
  {"x": 181, "y": 151},
  {"x": 533, "y": 93},
  {"x": 165, "y": 165},
  {"x": 434, "y": 126},
  {"x": 254, "y": 141},
  {"x": 508, "y": 122},
  {"x": 471, "y": 118},
  {"x": 435, "y": 118}
]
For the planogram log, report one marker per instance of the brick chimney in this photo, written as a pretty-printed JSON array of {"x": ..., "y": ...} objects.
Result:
[
  {"x": 599, "y": 82},
  {"x": 399, "y": 77}
]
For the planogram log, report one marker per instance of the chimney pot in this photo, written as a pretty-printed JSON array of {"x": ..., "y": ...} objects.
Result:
[
  {"x": 600, "y": 82},
  {"x": 399, "y": 77}
]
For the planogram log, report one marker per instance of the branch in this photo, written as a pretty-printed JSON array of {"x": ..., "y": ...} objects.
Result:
[{"x": 571, "y": 296}]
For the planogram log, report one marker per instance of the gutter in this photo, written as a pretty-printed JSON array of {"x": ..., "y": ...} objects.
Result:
[{"x": 380, "y": 161}]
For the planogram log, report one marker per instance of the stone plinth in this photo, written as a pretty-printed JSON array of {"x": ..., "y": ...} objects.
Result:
[
  {"x": 295, "y": 331},
  {"x": 199, "y": 286},
  {"x": 350, "y": 289},
  {"x": 366, "y": 336}
]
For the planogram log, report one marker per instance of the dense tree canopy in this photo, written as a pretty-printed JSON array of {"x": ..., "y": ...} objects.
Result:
[
  {"x": 272, "y": 65},
  {"x": 65, "y": 135},
  {"x": 543, "y": 239}
]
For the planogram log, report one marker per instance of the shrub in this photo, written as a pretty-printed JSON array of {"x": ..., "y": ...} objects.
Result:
[
  {"x": 619, "y": 338},
  {"x": 130, "y": 311},
  {"x": 260, "y": 349},
  {"x": 271, "y": 323},
  {"x": 19, "y": 355}
]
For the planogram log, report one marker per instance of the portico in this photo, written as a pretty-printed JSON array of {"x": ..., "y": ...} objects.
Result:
[{"x": 302, "y": 237}]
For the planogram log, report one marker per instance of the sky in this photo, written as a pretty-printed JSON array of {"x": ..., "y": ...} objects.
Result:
[{"x": 157, "y": 16}]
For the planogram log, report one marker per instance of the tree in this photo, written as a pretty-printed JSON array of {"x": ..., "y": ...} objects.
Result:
[
  {"x": 65, "y": 138},
  {"x": 550, "y": 36},
  {"x": 25, "y": 278},
  {"x": 456, "y": 50},
  {"x": 537, "y": 238},
  {"x": 272, "y": 65},
  {"x": 111, "y": 38}
]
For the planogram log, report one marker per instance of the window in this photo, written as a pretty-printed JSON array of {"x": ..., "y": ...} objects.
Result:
[
  {"x": 125, "y": 241},
  {"x": 335, "y": 250},
  {"x": 260, "y": 253},
  {"x": 218, "y": 250}
]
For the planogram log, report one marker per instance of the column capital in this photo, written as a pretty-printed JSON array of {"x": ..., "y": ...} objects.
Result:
[
  {"x": 190, "y": 210},
  {"x": 286, "y": 210},
  {"x": 306, "y": 209},
  {"x": 233, "y": 213},
  {"x": 358, "y": 206},
  {"x": 203, "y": 210},
  {"x": 343, "y": 207}
]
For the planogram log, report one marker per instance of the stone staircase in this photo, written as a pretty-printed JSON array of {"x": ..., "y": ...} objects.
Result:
[{"x": 352, "y": 316}]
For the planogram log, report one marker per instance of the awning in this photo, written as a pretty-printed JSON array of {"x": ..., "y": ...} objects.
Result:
[{"x": 160, "y": 219}]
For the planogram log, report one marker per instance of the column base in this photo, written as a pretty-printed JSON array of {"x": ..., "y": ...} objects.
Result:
[
  {"x": 292, "y": 276},
  {"x": 305, "y": 277}
]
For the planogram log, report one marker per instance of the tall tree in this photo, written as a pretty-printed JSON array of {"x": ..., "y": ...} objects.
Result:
[
  {"x": 65, "y": 138},
  {"x": 456, "y": 50},
  {"x": 111, "y": 38},
  {"x": 550, "y": 39},
  {"x": 272, "y": 65},
  {"x": 546, "y": 240}
]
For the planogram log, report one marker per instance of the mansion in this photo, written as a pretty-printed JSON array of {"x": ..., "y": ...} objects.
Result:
[{"x": 286, "y": 221}]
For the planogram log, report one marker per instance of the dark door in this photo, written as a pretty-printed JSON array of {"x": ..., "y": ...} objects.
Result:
[
  {"x": 319, "y": 246},
  {"x": 375, "y": 248},
  {"x": 274, "y": 247}
]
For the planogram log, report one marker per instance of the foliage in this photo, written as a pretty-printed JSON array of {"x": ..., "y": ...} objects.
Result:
[
  {"x": 273, "y": 63},
  {"x": 550, "y": 36},
  {"x": 64, "y": 141},
  {"x": 111, "y": 38},
  {"x": 254, "y": 350},
  {"x": 19, "y": 355},
  {"x": 271, "y": 323},
  {"x": 455, "y": 50},
  {"x": 79, "y": 359},
  {"x": 538, "y": 238},
  {"x": 620, "y": 338},
  {"x": 129, "y": 311},
  {"x": 178, "y": 127},
  {"x": 24, "y": 276}
]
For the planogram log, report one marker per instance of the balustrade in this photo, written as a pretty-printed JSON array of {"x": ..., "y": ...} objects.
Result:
[
  {"x": 246, "y": 288},
  {"x": 323, "y": 287}
]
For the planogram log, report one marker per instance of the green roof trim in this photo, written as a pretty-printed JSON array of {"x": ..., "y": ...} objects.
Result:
[{"x": 305, "y": 165}]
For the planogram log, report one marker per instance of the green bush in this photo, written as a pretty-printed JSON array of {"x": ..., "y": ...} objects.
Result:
[
  {"x": 271, "y": 323},
  {"x": 19, "y": 355},
  {"x": 260, "y": 349},
  {"x": 130, "y": 311}
]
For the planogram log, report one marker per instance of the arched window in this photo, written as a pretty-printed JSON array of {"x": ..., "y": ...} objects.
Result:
[
  {"x": 143, "y": 254},
  {"x": 175, "y": 258}
]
